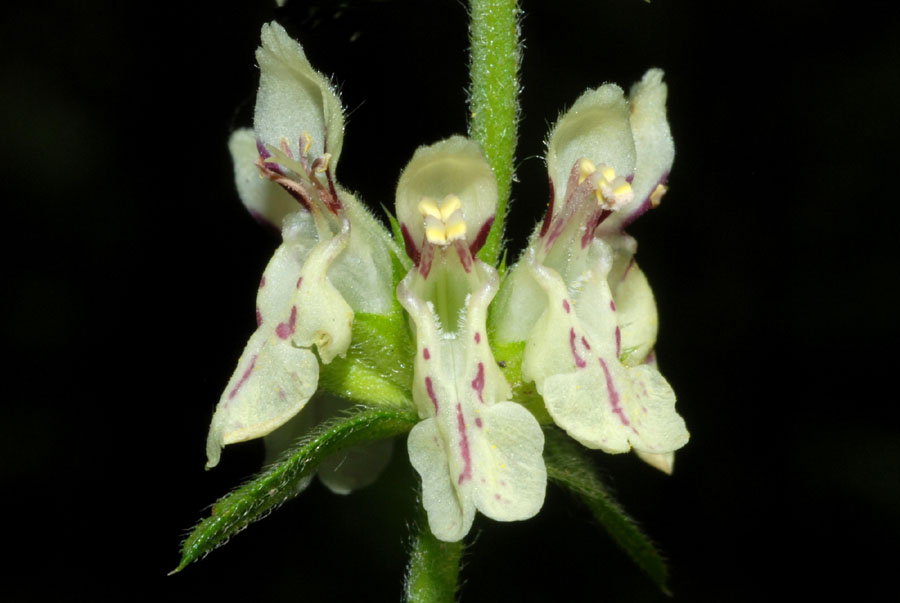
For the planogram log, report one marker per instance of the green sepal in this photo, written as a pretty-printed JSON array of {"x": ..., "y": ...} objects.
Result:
[
  {"x": 432, "y": 574},
  {"x": 376, "y": 369},
  {"x": 570, "y": 467},
  {"x": 278, "y": 483},
  {"x": 397, "y": 232},
  {"x": 398, "y": 271}
]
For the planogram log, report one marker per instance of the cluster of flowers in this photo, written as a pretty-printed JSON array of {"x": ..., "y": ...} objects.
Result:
[{"x": 576, "y": 304}]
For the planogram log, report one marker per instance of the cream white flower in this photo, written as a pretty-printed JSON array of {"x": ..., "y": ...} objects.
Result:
[
  {"x": 334, "y": 259},
  {"x": 576, "y": 302},
  {"x": 474, "y": 449},
  {"x": 577, "y": 297}
]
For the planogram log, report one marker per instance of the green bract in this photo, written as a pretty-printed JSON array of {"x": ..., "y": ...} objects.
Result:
[{"x": 345, "y": 317}]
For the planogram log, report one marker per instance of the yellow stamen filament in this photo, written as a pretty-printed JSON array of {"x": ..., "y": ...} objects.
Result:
[
  {"x": 307, "y": 142},
  {"x": 444, "y": 222}
]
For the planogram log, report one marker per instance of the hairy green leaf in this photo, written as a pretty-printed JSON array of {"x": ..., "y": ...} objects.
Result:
[
  {"x": 277, "y": 483},
  {"x": 570, "y": 467}
]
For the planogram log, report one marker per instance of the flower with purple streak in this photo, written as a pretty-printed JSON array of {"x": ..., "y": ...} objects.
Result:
[
  {"x": 575, "y": 316},
  {"x": 578, "y": 298}
]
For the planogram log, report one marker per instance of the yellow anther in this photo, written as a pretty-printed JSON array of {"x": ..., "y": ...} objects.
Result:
[
  {"x": 608, "y": 172},
  {"x": 657, "y": 195},
  {"x": 456, "y": 231},
  {"x": 429, "y": 207},
  {"x": 622, "y": 190},
  {"x": 586, "y": 168},
  {"x": 444, "y": 221},
  {"x": 450, "y": 204},
  {"x": 436, "y": 235},
  {"x": 307, "y": 142}
]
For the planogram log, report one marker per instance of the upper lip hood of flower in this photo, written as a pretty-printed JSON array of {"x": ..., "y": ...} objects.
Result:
[
  {"x": 453, "y": 166},
  {"x": 295, "y": 102},
  {"x": 631, "y": 135}
]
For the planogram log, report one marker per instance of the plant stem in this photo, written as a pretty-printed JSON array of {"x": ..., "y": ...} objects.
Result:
[
  {"x": 494, "y": 99},
  {"x": 433, "y": 570}
]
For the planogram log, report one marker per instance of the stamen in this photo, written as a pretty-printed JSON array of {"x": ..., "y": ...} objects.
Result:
[
  {"x": 320, "y": 165},
  {"x": 657, "y": 195},
  {"x": 450, "y": 204},
  {"x": 587, "y": 168},
  {"x": 435, "y": 231},
  {"x": 611, "y": 191},
  {"x": 444, "y": 222},
  {"x": 302, "y": 182},
  {"x": 608, "y": 172},
  {"x": 285, "y": 147},
  {"x": 429, "y": 207},
  {"x": 455, "y": 228}
]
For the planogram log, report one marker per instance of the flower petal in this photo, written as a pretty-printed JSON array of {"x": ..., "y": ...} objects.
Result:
[
  {"x": 509, "y": 476},
  {"x": 355, "y": 468},
  {"x": 456, "y": 165},
  {"x": 656, "y": 427},
  {"x": 272, "y": 383},
  {"x": 294, "y": 98},
  {"x": 637, "y": 317},
  {"x": 519, "y": 304},
  {"x": 595, "y": 128},
  {"x": 363, "y": 273},
  {"x": 665, "y": 461},
  {"x": 266, "y": 201},
  {"x": 449, "y": 515},
  {"x": 277, "y": 373},
  {"x": 471, "y": 450},
  {"x": 318, "y": 314},
  {"x": 572, "y": 357},
  {"x": 654, "y": 145}
]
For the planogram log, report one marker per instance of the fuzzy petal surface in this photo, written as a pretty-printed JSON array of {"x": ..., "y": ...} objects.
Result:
[
  {"x": 266, "y": 201},
  {"x": 473, "y": 449},
  {"x": 572, "y": 356},
  {"x": 294, "y": 98}
]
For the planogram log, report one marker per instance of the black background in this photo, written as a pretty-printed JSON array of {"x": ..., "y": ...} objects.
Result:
[{"x": 130, "y": 270}]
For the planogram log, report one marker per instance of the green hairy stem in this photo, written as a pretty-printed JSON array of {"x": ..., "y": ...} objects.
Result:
[
  {"x": 433, "y": 570},
  {"x": 494, "y": 99}
]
